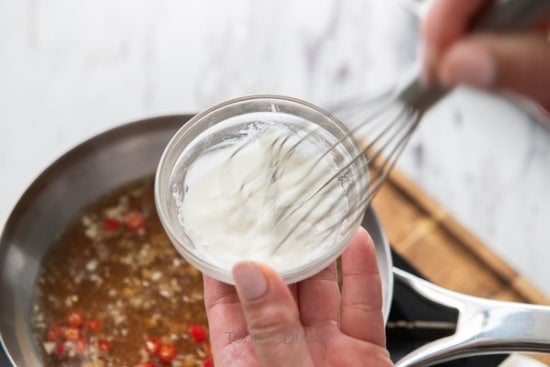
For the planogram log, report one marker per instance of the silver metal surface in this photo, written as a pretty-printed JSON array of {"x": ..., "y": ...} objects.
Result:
[
  {"x": 383, "y": 257},
  {"x": 483, "y": 326},
  {"x": 66, "y": 187}
]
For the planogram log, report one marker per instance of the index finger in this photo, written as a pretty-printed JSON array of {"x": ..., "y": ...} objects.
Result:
[
  {"x": 446, "y": 22},
  {"x": 225, "y": 316}
]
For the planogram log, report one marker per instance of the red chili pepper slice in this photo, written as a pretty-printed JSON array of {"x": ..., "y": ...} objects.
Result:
[
  {"x": 152, "y": 345},
  {"x": 198, "y": 333},
  {"x": 134, "y": 221},
  {"x": 111, "y": 224},
  {"x": 60, "y": 350},
  {"x": 93, "y": 325},
  {"x": 75, "y": 318},
  {"x": 148, "y": 364},
  {"x": 71, "y": 333},
  {"x": 167, "y": 352},
  {"x": 53, "y": 333},
  {"x": 104, "y": 345},
  {"x": 208, "y": 363}
]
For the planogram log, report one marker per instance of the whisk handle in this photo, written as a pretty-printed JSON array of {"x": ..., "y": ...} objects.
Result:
[
  {"x": 511, "y": 15},
  {"x": 506, "y": 15}
]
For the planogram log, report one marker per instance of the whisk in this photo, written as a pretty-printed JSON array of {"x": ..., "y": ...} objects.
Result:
[{"x": 390, "y": 119}]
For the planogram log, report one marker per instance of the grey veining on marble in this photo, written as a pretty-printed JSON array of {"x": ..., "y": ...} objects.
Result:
[
  {"x": 69, "y": 70},
  {"x": 489, "y": 164}
]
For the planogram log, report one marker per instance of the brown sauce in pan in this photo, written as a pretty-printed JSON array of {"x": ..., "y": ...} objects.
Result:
[{"x": 114, "y": 292}]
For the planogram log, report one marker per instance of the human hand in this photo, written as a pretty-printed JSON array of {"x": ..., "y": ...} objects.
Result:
[
  {"x": 311, "y": 323},
  {"x": 515, "y": 61}
]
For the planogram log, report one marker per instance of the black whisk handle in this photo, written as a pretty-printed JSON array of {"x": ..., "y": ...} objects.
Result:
[{"x": 510, "y": 15}]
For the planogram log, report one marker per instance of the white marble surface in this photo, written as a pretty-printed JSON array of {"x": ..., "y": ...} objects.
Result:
[{"x": 69, "y": 70}]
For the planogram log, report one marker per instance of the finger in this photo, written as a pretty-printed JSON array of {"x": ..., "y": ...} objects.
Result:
[
  {"x": 294, "y": 291},
  {"x": 271, "y": 315},
  {"x": 362, "y": 291},
  {"x": 319, "y": 298},
  {"x": 448, "y": 20},
  {"x": 518, "y": 62},
  {"x": 225, "y": 316},
  {"x": 445, "y": 23}
]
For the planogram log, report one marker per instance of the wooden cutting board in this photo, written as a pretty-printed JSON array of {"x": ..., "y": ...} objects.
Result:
[{"x": 444, "y": 251}]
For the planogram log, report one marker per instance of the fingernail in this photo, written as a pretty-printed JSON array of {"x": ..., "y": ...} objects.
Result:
[
  {"x": 250, "y": 280},
  {"x": 469, "y": 66}
]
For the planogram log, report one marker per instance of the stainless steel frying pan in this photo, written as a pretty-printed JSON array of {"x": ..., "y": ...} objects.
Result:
[{"x": 131, "y": 152}]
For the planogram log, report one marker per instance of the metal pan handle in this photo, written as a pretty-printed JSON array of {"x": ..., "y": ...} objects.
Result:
[{"x": 483, "y": 326}]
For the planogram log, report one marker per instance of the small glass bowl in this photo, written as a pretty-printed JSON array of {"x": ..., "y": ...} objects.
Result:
[{"x": 223, "y": 125}]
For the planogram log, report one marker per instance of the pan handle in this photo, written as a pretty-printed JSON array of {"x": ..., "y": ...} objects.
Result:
[{"x": 483, "y": 327}]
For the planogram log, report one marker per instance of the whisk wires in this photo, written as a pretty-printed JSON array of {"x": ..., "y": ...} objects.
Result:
[{"x": 383, "y": 128}]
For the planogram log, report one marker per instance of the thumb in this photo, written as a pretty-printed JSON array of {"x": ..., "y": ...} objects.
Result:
[
  {"x": 518, "y": 62},
  {"x": 271, "y": 315}
]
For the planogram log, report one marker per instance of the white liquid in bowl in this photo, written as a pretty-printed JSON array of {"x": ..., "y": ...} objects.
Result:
[{"x": 261, "y": 204}]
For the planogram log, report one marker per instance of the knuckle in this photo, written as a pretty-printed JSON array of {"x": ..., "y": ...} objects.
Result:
[
  {"x": 271, "y": 320},
  {"x": 362, "y": 308}
]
